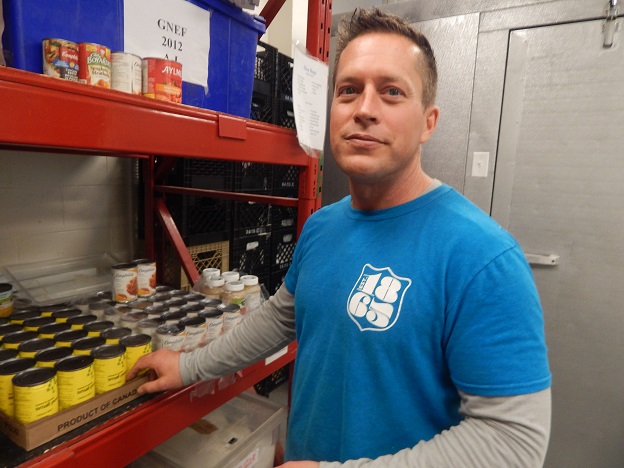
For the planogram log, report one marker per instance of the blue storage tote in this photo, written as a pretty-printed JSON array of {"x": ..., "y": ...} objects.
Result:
[{"x": 233, "y": 39}]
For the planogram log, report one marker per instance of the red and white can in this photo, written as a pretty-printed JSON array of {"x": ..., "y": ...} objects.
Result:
[
  {"x": 94, "y": 65},
  {"x": 60, "y": 59},
  {"x": 162, "y": 79},
  {"x": 125, "y": 282},
  {"x": 126, "y": 74},
  {"x": 146, "y": 276}
]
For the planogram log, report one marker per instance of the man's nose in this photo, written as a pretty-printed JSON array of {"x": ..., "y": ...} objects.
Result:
[{"x": 367, "y": 107}]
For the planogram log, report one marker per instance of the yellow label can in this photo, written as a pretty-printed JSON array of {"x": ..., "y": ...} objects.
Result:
[
  {"x": 76, "y": 380},
  {"x": 136, "y": 346},
  {"x": 47, "y": 357},
  {"x": 109, "y": 363},
  {"x": 35, "y": 394},
  {"x": 8, "y": 369}
]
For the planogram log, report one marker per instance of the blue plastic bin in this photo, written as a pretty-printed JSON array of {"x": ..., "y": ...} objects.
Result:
[{"x": 233, "y": 38}]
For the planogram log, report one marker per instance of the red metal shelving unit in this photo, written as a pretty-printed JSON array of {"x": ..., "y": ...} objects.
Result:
[{"x": 157, "y": 133}]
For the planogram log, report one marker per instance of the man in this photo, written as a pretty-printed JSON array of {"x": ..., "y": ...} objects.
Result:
[{"x": 419, "y": 328}]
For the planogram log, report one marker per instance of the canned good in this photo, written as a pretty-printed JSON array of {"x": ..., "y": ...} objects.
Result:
[
  {"x": 192, "y": 309},
  {"x": 163, "y": 288},
  {"x": 76, "y": 380},
  {"x": 155, "y": 311},
  {"x": 100, "y": 309},
  {"x": 194, "y": 332},
  {"x": 9, "y": 328},
  {"x": 136, "y": 346},
  {"x": 66, "y": 338},
  {"x": 47, "y": 357},
  {"x": 109, "y": 364},
  {"x": 125, "y": 286},
  {"x": 6, "y": 299},
  {"x": 169, "y": 336},
  {"x": 105, "y": 295},
  {"x": 48, "y": 331},
  {"x": 60, "y": 59},
  {"x": 94, "y": 64},
  {"x": 95, "y": 328},
  {"x": 28, "y": 349},
  {"x": 20, "y": 317},
  {"x": 47, "y": 309},
  {"x": 174, "y": 304},
  {"x": 232, "y": 316},
  {"x": 162, "y": 79},
  {"x": 130, "y": 319},
  {"x": 35, "y": 394},
  {"x": 35, "y": 324},
  {"x": 13, "y": 340},
  {"x": 148, "y": 327},
  {"x": 193, "y": 298},
  {"x": 160, "y": 298},
  {"x": 79, "y": 321},
  {"x": 83, "y": 303},
  {"x": 8, "y": 369},
  {"x": 6, "y": 354},
  {"x": 114, "y": 334},
  {"x": 146, "y": 270},
  {"x": 210, "y": 302},
  {"x": 214, "y": 323},
  {"x": 126, "y": 74},
  {"x": 173, "y": 316},
  {"x": 142, "y": 304},
  {"x": 84, "y": 346},
  {"x": 63, "y": 314}
]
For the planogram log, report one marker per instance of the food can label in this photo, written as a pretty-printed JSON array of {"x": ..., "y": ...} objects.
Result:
[
  {"x": 146, "y": 278},
  {"x": 126, "y": 73},
  {"x": 195, "y": 337},
  {"x": 6, "y": 299},
  {"x": 125, "y": 287},
  {"x": 214, "y": 327},
  {"x": 95, "y": 64},
  {"x": 167, "y": 341},
  {"x": 133, "y": 353},
  {"x": 162, "y": 79},
  {"x": 230, "y": 320},
  {"x": 75, "y": 386},
  {"x": 35, "y": 402},
  {"x": 60, "y": 59},
  {"x": 6, "y": 395},
  {"x": 109, "y": 373}
]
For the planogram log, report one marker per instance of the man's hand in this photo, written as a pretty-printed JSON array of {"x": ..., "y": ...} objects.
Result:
[{"x": 165, "y": 364}]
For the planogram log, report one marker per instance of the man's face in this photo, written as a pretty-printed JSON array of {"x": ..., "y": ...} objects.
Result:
[{"x": 377, "y": 121}]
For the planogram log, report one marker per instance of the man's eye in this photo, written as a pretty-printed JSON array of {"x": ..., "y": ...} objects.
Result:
[
  {"x": 347, "y": 90},
  {"x": 394, "y": 92}
]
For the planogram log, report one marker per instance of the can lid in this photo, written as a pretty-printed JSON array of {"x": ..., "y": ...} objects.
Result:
[
  {"x": 193, "y": 297},
  {"x": 7, "y": 353},
  {"x": 189, "y": 308},
  {"x": 88, "y": 342},
  {"x": 70, "y": 335},
  {"x": 24, "y": 315},
  {"x": 234, "y": 286},
  {"x": 163, "y": 288},
  {"x": 19, "y": 336},
  {"x": 229, "y": 308},
  {"x": 33, "y": 376},
  {"x": 211, "y": 313},
  {"x": 6, "y": 287},
  {"x": 249, "y": 280},
  {"x": 142, "y": 260},
  {"x": 210, "y": 302},
  {"x": 135, "y": 340},
  {"x": 36, "y": 344},
  {"x": 124, "y": 266},
  {"x": 148, "y": 323},
  {"x": 66, "y": 313},
  {"x": 169, "y": 329},
  {"x": 15, "y": 365},
  {"x": 192, "y": 321},
  {"x": 98, "y": 325},
  {"x": 173, "y": 315},
  {"x": 82, "y": 319},
  {"x": 73, "y": 363},
  {"x": 108, "y": 351},
  {"x": 9, "y": 328},
  {"x": 53, "y": 354},
  {"x": 174, "y": 302},
  {"x": 116, "y": 332},
  {"x": 133, "y": 317},
  {"x": 155, "y": 310},
  {"x": 38, "y": 322}
]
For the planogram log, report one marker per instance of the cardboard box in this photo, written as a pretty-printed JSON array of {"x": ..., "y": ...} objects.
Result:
[{"x": 32, "y": 435}]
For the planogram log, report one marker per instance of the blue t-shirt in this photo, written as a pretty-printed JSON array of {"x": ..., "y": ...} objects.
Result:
[{"x": 398, "y": 308}]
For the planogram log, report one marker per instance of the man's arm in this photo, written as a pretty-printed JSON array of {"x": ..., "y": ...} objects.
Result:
[{"x": 498, "y": 432}]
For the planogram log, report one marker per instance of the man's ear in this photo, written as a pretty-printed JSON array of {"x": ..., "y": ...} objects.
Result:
[{"x": 431, "y": 120}]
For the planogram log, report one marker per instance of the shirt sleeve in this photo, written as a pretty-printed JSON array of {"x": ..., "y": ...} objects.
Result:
[{"x": 496, "y": 431}]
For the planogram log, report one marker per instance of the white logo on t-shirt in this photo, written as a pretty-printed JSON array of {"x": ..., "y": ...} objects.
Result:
[{"x": 375, "y": 300}]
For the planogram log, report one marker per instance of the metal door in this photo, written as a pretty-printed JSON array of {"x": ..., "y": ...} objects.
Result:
[{"x": 559, "y": 189}]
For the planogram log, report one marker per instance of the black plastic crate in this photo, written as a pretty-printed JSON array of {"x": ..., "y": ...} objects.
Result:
[
  {"x": 265, "y": 81},
  {"x": 201, "y": 220},
  {"x": 203, "y": 173},
  {"x": 251, "y": 255},
  {"x": 253, "y": 178},
  {"x": 285, "y": 113},
  {"x": 270, "y": 383},
  {"x": 284, "y": 76},
  {"x": 283, "y": 242},
  {"x": 283, "y": 217},
  {"x": 276, "y": 278},
  {"x": 251, "y": 219},
  {"x": 262, "y": 107},
  {"x": 285, "y": 181}
]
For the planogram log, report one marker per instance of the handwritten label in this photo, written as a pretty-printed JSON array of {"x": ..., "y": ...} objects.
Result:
[{"x": 171, "y": 29}]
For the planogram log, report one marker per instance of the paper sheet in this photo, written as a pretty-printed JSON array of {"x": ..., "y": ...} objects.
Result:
[
  {"x": 172, "y": 29},
  {"x": 310, "y": 100}
]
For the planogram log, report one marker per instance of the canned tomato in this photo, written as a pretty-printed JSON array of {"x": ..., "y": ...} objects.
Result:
[
  {"x": 35, "y": 394},
  {"x": 126, "y": 73},
  {"x": 8, "y": 369},
  {"x": 76, "y": 380},
  {"x": 146, "y": 276},
  {"x": 109, "y": 363},
  {"x": 94, "y": 66},
  {"x": 60, "y": 59},
  {"x": 125, "y": 286},
  {"x": 6, "y": 299},
  {"x": 162, "y": 79}
]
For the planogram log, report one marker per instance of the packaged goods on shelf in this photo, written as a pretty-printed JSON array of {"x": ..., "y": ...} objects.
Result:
[
  {"x": 242, "y": 432},
  {"x": 231, "y": 58}
]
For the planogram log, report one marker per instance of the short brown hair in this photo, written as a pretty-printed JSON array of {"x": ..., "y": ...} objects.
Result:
[{"x": 375, "y": 21}]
